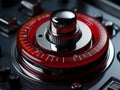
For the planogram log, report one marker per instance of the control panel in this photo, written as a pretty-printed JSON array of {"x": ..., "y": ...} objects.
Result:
[{"x": 59, "y": 45}]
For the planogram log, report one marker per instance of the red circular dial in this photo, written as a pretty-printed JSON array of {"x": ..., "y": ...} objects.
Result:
[
  {"x": 82, "y": 49},
  {"x": 26, "y": 40}
]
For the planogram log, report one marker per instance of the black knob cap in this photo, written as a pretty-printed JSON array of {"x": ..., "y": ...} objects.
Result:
[
  {"x": 110, "y": 27},
  {"x": 76, "y": 86},
  {"x": 30, "y": 7},
  {"x": 14, "y": 82},
  {"x": 99, "y": 16},
  {"x": 4, "y": 73},
  {"x": 63, "y": 21},
  {"x": 8, "y": 24}
]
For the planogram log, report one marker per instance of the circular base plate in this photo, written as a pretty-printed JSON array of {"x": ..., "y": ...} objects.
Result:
[{"x": 18, "y": 67}]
